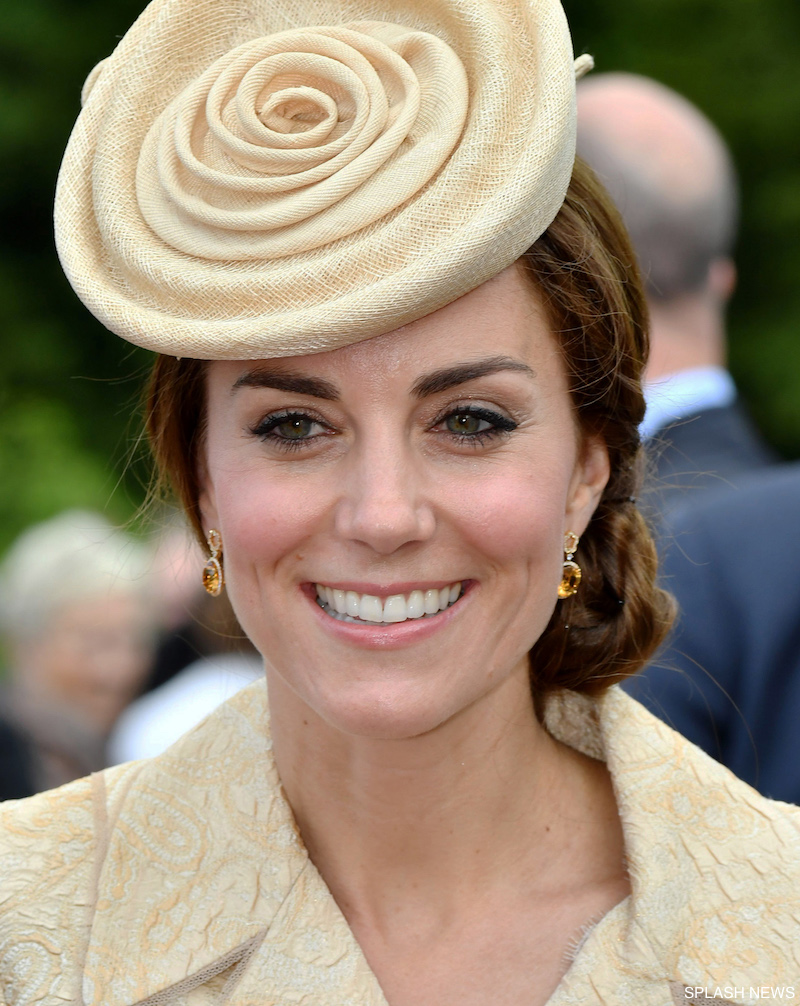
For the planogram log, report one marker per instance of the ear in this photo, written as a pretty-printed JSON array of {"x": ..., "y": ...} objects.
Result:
[{"x": 592, "y": 472}]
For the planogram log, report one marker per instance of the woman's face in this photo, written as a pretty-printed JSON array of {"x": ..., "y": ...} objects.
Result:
[
  {"x": 92, "y": 657},
  {"x": 422, "y": 482}
]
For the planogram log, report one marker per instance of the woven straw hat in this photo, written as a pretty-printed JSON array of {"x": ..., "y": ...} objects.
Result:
[{"x": 259, "y": 178}]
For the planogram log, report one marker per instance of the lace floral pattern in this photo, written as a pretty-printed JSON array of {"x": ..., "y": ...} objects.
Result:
[{"x": 183, "y": 879}]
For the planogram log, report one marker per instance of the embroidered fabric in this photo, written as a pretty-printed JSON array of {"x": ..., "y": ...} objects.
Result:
[
  {"x": 186, "y": 877},
  {"x": 213, "y": 985}
]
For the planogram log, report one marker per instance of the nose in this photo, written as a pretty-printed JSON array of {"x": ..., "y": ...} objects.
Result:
[{"x": 385, "y": 505}]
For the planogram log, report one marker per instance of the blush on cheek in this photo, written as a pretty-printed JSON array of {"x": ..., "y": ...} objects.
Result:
[
  {"x": 513, "y": 520},
  {"x": 264, "y": 521}
]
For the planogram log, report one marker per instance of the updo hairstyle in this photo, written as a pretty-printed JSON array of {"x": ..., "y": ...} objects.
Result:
[{"x": 585, "y": 269}]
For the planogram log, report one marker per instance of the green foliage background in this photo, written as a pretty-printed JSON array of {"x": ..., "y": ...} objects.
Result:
[{"x": 69, "y": 428}]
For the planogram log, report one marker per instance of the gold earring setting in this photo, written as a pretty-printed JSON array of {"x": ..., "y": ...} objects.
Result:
[
  {"x": 213, "y": 577},
  {"x": 571, "y": 573}
]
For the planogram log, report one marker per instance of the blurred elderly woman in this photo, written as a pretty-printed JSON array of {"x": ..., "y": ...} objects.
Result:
[{"x": 77, "y": 623}]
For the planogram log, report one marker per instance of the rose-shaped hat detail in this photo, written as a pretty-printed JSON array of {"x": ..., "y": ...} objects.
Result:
[
  {"x": 294, "y": 140},
  {"x": 236, "y": 188}
]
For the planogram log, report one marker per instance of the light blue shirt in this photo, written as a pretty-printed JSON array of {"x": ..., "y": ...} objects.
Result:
[{"x": 685, "y": 393}]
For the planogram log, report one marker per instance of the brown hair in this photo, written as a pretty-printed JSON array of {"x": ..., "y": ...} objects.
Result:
[{"x": 585, "y": 269}]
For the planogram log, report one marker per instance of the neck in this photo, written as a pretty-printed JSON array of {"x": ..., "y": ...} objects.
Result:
[
  {"x": 399, "y": 826},
  {"x": 685, "y": 333}
]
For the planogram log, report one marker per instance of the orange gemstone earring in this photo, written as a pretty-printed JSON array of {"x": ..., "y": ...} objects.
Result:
[
  {"x": 571, "y": 575},
  {"x": 213, "y": 577}
]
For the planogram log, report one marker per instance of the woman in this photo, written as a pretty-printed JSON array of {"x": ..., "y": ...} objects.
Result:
[
  {"x": 401, "y": 341},
  {"x": 78, "y": 626}
]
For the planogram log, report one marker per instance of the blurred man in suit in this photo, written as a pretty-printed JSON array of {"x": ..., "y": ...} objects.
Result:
[
  {"x": 729, "y": 679},
  {"x": 672, "y": 177}
]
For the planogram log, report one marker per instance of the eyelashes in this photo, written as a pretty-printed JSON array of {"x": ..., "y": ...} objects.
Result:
[
  {"x": 469, "y": 425},
  {"x": 290, "y": 430},
  {"x": 476, "y": 425}
]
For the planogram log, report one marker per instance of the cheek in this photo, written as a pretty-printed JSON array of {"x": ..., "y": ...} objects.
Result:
[
  {"x": 263, "y": 521},
  {"x": 65, "y": 667},
  {"x": 262, "y": 525},
  {"x": 515, "y": 515}
]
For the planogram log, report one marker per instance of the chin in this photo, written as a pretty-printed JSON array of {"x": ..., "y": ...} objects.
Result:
[{"x": 381, "y": 712}]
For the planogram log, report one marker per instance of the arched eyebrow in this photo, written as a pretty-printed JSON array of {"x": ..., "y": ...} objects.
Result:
[
  {"x": 428, "y": 384},
  {"x": 284, "y": 380},
  {"x": 449, "y": 377}
]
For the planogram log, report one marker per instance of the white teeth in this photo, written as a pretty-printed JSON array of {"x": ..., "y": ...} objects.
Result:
[
  {"x": 348, "y": 605},
  {"x": 394, "y": 609},
  {"x": 370, "y": 609},
  {"x": 353, "y": 603},
  {"x": 415, "y": 605},
  {"x": 431, "y": 602}
]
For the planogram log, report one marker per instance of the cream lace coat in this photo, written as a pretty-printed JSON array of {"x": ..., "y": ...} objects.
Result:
[{"x": 182, "y": 880}]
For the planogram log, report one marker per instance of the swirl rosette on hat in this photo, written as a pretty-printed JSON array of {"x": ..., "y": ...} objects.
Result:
[
  {"x": 234, "y": 190},
  {"x": 292, "y": 141}
]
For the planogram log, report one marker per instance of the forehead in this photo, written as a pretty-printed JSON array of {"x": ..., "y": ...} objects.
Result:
[{"x": 502, "y": 318}]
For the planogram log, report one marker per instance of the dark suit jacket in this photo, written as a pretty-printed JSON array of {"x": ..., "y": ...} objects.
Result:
[
  {"x": 729, "y": 679},
  {"x": 709, "y": 450}
]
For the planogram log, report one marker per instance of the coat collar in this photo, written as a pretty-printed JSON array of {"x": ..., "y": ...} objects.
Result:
[
  {"x": 204, "y": 870},
  {"x": 714, "y": 866}
]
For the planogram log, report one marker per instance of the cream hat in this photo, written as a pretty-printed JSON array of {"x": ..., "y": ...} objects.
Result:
[{"x": 267, "y": 178}]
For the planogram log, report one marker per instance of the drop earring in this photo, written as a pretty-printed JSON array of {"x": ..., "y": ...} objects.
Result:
[
  {"x": 213, "y": 577},
  {"x": 571, "y": 573}
]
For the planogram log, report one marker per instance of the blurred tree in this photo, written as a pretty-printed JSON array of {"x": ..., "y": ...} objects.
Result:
[{"x": 68, "y": 392}]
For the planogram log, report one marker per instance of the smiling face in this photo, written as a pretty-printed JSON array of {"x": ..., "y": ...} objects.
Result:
[{"x": 393, "y": 513}]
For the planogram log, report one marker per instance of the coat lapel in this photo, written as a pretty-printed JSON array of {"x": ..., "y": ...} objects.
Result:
[
  {"x": 201, "y": 853},
  {"x": 309, "y": 956},
  {"x": 711, "y": 862}
]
